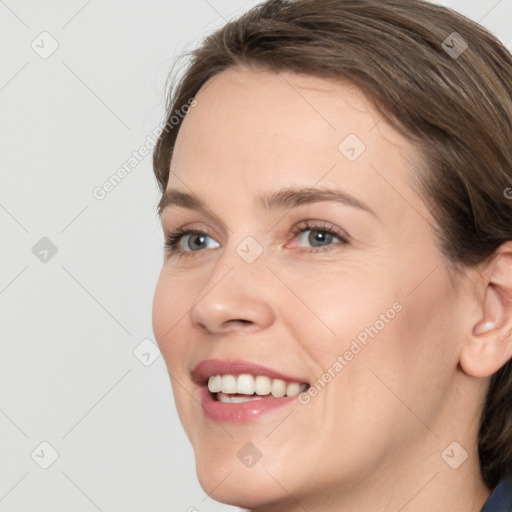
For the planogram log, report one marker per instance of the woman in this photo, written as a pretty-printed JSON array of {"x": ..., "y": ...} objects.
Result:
[{"x": 335, "y": 302}]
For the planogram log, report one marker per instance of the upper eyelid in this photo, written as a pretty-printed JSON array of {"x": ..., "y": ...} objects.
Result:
[
  {"x": 192, "y": 227},
  {"x": 300, "y": 225},
  {"x": 340, "y": 233}
]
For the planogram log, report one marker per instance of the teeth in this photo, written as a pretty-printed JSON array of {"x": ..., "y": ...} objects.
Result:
[
  {"x": 278, "y": 388},
  {"x": 293, "y": 388},
  {"x": 215, "y": 384},
  {"x": 246, "y": 384},
  {"x": 228, "y": 384},
  {"x": 226, "y": 399},
  {"x": 262, "y": 385}
]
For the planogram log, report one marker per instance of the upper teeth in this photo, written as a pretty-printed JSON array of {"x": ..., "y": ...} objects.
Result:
[{"x": 247, "y": 384}]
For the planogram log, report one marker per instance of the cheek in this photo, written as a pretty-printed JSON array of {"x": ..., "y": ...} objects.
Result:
[
  {"x": 375, "y": 305},
  {"x": 338, "y": 307},
  {"x": 377, "y": 348},
  {"x": 169, "y": 315}
]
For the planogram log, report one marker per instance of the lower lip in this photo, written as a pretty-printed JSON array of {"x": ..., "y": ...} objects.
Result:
[{"x": 242, "y": 412}]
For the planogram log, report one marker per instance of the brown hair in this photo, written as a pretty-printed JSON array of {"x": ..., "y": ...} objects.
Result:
[{"x": 410, "y": 58}]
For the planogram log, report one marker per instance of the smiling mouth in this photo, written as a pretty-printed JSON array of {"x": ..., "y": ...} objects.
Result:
[{"x": 245, "y": 387}]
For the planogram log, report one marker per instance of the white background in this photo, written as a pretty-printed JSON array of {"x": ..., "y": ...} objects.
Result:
[{"x": 69, "y": 326}]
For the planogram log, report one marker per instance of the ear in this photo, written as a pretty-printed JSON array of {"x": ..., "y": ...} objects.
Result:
[{"x": 489, "y": 345}]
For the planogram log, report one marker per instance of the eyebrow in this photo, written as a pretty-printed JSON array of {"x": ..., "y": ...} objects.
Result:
[{"x": 282, "y": 199}]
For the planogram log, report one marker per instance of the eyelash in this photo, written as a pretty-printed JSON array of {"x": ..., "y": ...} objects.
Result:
[{"x": 171, "y": 245}]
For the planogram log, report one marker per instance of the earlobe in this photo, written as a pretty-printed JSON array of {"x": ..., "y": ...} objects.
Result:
[{"x": 489, "y": 345}]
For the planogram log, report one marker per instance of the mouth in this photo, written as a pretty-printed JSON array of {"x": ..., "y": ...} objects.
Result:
[
  {"x": 246, "y": 387},
  {"x": 238, "y": 391}
]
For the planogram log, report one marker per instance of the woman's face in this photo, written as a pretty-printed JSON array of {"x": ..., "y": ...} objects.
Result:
[{"x": 312, "y": 259}]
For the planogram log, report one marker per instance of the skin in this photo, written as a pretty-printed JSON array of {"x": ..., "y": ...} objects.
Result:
[{"x": 372, "y": 439}]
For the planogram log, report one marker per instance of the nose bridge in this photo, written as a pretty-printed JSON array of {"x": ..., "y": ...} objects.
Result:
[
  {"x": 240, "y": 259},
  {"x": 234, "y": 292}
]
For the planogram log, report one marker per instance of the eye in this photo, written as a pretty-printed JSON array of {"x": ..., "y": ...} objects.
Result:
[
  {"x": 312, "y": 236},
  {"x": 183, "y": 241},
  {"x": 318, "y": 236}
]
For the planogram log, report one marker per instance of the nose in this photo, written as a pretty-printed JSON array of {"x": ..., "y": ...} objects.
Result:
[{"x": 234, "y": 298}]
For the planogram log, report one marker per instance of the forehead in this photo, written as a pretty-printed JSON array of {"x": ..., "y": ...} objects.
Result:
[
  {"x": 255, "y": 130},
  {"x": 281, "y": 110}
]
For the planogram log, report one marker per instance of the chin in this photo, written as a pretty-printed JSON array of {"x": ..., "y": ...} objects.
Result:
[{"x": 234, "y": 484}]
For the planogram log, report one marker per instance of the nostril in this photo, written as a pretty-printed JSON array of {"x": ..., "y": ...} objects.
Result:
[
  {"x": 202, "y": 327},
  {"x": 242, "y": 323}
]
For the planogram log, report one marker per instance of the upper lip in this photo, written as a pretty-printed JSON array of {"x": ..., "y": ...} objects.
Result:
[{"x": 209, "y": 367}]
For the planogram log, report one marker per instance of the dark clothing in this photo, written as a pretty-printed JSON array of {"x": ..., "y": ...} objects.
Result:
[{"x": 500, "y": 499}]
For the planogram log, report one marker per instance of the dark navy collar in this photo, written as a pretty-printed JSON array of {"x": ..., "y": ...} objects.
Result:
[{"x": 500, "y": 499}]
